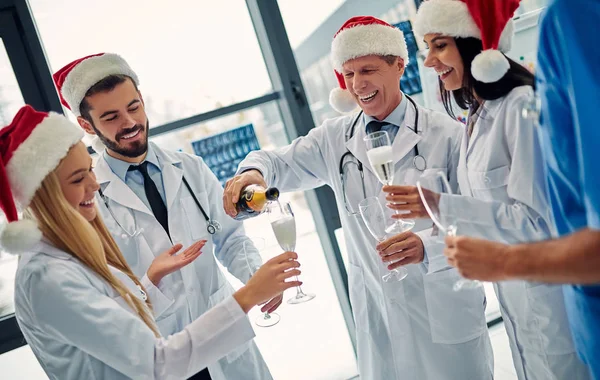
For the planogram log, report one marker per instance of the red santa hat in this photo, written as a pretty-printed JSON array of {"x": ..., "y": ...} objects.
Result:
[
  {"x": 358, "y": 37},
  {"x": 75, "y": 79},
  {"x": 30, "y": 148},
  {"x": 488, "y": 20}
]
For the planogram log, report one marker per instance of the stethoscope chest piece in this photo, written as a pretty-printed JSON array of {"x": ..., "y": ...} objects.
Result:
[
  {"x": 213, "y": 227},
  {"x": 420, "y": 163}
]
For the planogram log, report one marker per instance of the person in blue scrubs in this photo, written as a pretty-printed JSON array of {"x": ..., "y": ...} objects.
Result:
[{"x": 568, "y": 82}]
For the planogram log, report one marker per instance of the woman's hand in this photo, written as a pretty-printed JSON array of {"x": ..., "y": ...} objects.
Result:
[
  {"x": 269, "y": 281},
  {"x": 407, "y": 198},
  {"x": 168, "y": 262}
]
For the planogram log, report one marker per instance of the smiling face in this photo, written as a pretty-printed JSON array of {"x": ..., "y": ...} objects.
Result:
[
  {"x": 444, "y": 57},
  {"x": 118, "y": 117},
  {"x": 374, "y": 83},
  {"x": 78, "y": 182}
]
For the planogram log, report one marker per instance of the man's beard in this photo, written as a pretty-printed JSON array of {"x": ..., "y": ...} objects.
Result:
[{"x": 135, "y": 149}]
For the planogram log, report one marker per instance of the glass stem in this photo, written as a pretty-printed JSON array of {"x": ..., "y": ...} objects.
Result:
[
  {"x": 389, "y": 183},
  {"x": 298, "y": 288}
]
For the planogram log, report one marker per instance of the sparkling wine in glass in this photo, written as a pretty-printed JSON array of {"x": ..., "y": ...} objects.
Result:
[
  {"x": 372, "y": 213},
  {"x": 381, "y": 158},
  {"x": 266, "y": 319},
  {"x": 428, "y": 185},
  {"x": 284, "y": 227}
]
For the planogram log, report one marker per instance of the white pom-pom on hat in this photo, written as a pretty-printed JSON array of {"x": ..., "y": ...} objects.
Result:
[
  {"x": 342, "y": 100},
  {"x": 489, "y": 66},
  {"x": 20, "y": 236}
]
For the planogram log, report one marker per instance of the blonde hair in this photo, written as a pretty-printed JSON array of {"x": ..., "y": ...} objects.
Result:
[{"x": 92, "y": 244}]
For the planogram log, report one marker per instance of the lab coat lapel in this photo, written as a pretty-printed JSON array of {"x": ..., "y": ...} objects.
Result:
[
  {"x": 115, "y": 189},
  {"x": 406, "y": 138},
  {"x": 172, "y": 174},
  {"x": 356, "y": 144},
  {"x": 462, "y": 175}
]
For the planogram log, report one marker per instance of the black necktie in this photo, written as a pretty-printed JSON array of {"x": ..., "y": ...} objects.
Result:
[
  {"x": 156, "y": 203},
  {"x": 375, "y": 126},
  {"x": 202, "y": 375}
]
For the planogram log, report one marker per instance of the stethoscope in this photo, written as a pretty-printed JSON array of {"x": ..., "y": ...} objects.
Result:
[
  {"x": 419, "y": 161},
  {"x": 212, "y": 226}
]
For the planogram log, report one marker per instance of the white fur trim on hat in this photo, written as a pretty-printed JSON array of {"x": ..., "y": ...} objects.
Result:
[
  {"x": 489, "y": 66},
  {"x": 342, "y": 100},
  {"x": 363, "y": 40},
  {"x": 452, "y": 18},
  {"x": 39, "y": 154},
  {"x": 89, "y": 72},
  {"x": 20, "y": 236}
]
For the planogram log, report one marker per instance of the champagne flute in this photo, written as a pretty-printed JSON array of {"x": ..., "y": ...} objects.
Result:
[
  {"x": 284, "y": 227},
  {"x": 266, "y": 319},
  {"x": 374, "y": 218},
  {"x": 381, "y": 158},
  {"x": 427, "y": 185}
]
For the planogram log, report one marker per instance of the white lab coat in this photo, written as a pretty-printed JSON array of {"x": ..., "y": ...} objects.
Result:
[
  {"x": 502, "y": 175},
  {"x": 79, "y": 327},
  {"x": 188, "y": 293},
  {"x": 417, "y": 328}
]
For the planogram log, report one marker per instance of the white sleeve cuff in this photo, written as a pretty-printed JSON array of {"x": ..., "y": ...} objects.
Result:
[
  {"x": 159, "y": 299},
  {"x": 433, "y": 247}
]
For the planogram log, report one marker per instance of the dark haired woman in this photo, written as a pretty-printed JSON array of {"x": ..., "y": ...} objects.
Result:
[{"x": 500, "y": 171}]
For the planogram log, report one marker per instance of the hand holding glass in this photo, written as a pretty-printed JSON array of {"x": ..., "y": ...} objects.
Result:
[
  {"x": 284, "y": 227},
  {"x": 251, "y": 246},
  {"x": 372, "y": 213},
  {"x": 381, "y": 158},
  {"x": 427, "y": 185}
]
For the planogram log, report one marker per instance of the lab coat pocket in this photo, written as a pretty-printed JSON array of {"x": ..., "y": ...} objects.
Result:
[
  {"x": 196, "y": 221},
  {"x": 548, "y": 317},
  {"x": 490, "y": 185},
  {"x": 454, "y": 317},
  {"x": 219, "y": 295},
  {"x": 168, "y": 324},
  {"x": 358, "y": 297}
]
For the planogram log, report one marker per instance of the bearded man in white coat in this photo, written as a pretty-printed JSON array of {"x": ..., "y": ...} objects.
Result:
[
  {"x": 152, "y": 200},
  {"x": 417, "y": 328}
]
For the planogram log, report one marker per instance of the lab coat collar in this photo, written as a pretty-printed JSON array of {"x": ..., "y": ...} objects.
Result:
[
  {"x": 171, "y": 167},
  {"x": 120, "y": 168},
  {"x": 115, "y": 189},
  {"x": 45, "y": 247},
  {"x": 486, "y": 113},
  {"x": 395, "y": 118},
  {"x": 491, "y": 107}
]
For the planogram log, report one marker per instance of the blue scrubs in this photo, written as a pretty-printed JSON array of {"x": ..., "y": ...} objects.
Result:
[{"x": 569, "y": 85}]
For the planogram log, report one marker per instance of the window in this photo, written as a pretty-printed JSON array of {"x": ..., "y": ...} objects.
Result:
[
  {"x": 187, "y": 57},
  {"x": 10, "y": 94}
]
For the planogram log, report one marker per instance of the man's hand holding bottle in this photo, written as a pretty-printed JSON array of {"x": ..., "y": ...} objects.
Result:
[{"x": 247, "y": 195}]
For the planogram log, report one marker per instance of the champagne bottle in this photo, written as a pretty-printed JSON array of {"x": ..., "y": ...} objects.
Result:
[{"x": 253, "y": 201}]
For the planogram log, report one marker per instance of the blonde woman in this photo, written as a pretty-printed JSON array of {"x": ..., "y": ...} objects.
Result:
[{"x": 82, "y": 311}]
